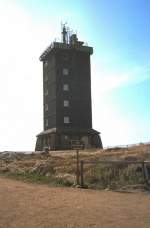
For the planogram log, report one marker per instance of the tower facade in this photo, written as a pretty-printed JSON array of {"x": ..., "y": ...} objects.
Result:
[{"x": 67, "y": 112}]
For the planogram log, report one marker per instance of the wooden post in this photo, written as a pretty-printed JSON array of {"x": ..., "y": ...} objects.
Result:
[
  {"x": 145, "y": 173},
  {"x": 143, "y": 168},
  {"x": 77, "y": 171},
  {"x": 82, "y": 180}
]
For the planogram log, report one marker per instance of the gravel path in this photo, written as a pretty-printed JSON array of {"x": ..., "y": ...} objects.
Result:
[{"x": 24, "y": 205}]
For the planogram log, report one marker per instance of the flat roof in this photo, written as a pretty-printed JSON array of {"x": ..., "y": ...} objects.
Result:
[{"x": 59, "y": 45}]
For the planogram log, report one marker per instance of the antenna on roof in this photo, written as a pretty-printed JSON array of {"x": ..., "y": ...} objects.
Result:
[{"x": 64, "y": 33}]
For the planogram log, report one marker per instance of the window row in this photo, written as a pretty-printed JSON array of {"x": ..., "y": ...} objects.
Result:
[
  {"x": 65, "y": 71},
  {"x": 65, "y": 88},
  {"x": 65, "y": 103},
  {"x": 66, "y": 121}
]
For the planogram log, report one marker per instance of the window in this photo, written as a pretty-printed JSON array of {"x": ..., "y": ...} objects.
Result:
[
  {"x": 66, "y": 137},
  {"x": 46, "y": 78},
  {"x": 46, "y": 92},
  {"x": 66, "y": 119},
  {"x": 46, "y": 122},
  {"x": 65, "y": 87},
  {"x": 45, "y": 63},
  {"x": 46, "y": 107},
  {"x": 65, "y": 57},
  {"x": 65, "y": 71},
  {"x": 66, "y": 103}
]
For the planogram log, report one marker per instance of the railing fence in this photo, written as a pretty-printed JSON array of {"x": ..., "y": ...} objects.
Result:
[{"x": 113, "y": 174}]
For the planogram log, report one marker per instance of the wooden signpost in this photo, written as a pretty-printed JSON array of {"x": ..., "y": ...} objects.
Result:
[{"x": 77, "y": 145}]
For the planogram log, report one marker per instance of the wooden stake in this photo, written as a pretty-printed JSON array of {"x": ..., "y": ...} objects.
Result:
[{"x": 77, "y": 171}]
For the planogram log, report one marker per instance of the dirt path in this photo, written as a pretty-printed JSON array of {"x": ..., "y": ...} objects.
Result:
[{"x": 24, "y": 205}]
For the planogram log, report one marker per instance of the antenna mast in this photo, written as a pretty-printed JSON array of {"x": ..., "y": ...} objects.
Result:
[{"x": 64, "y": 33}]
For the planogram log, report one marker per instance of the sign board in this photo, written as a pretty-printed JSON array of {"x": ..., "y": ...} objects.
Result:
[{"x": 77, "y": 145}]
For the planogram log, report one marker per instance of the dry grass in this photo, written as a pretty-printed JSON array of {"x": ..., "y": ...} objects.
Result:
[{"x": 62, "y": 164}]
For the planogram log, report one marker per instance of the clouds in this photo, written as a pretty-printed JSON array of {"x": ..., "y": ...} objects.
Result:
[
  {"x": 23, "y": 39},
  {"x": 111, "y": 73},
  {"x": 25, "y": 33},
  {"x": 113, "y": 115},
  {"x": 20, "y": 71}
]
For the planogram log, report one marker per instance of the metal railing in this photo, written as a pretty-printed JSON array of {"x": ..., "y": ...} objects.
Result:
[
  {"x": 126, "y": 145},
  {"x": 113, "y": 173}
]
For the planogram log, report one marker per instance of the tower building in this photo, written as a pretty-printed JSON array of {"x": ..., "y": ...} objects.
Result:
[{"x": 67, "y": 112}]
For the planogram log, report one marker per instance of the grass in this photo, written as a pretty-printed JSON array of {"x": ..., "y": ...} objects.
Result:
[
  {"x": 61, "y": 167},
  {"x": 36, "y": 178},
  {"x": 113, "y": 176}
]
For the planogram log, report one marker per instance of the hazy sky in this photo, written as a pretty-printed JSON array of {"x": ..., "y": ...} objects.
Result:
[{"x": 119, "y": 31}]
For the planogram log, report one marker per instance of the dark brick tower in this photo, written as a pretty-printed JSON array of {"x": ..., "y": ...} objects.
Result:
[{"x": 67, "y": 95}]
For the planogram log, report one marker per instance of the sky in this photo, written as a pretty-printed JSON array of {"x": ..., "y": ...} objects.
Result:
[{"x": 118, "y": 30}]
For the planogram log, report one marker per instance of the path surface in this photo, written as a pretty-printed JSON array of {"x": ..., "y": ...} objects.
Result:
[{"x": 24, "y": 205}]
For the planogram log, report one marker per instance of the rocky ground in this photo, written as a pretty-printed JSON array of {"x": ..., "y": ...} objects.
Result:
[
  {"x": 62, "y": 165},
  {"x": 29, "y": 205}
]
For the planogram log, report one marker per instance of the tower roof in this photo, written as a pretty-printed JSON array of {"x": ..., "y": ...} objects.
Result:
[
  {"x": 69, "y": 131},
  {"x": 69, "y": 41}
]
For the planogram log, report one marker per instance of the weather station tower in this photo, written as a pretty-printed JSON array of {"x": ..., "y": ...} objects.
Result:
[{"x": 67, "y": 109}]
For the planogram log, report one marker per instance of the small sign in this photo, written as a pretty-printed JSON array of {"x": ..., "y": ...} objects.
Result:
[{"x": 77, "y": 145}]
